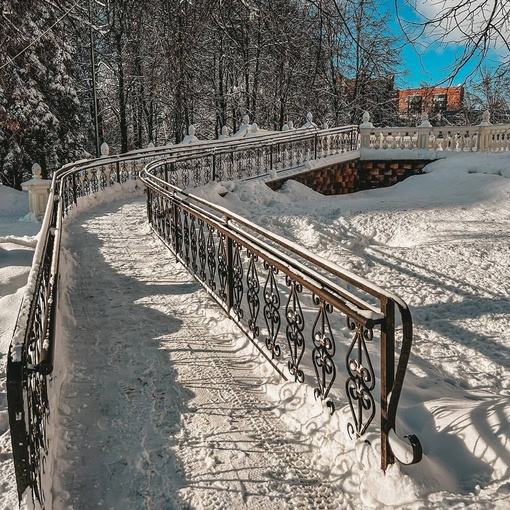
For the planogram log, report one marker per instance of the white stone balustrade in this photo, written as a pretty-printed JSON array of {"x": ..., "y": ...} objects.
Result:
[{"x": 484, "y": 137}]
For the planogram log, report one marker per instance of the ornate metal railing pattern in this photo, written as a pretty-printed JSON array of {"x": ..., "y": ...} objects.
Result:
[
  {"x": 292, "y": 304},
  {"x": 30, "y": 358},
  {"x": 254, "y": 157},
  {"x": 219, "y": 258}
]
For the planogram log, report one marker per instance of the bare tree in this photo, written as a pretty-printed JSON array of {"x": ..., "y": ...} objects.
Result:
[{"x": 478, "y": 29}]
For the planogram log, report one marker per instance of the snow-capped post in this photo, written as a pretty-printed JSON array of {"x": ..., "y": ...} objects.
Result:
[
  {"x": 309, "y": 124},
  {"x": 244, "y": 128},
  {"x": 150, "y": 145},
  {"x": 483, "y": 138},
  {"x": 424, "y": 132},
  {"x": 105, "y": 150},
  {"x": 38, "y": 189},
  {"x": 224, "y": 133},
  {"x": 365, "y": 130},
  {"x": 190, "y": 137}
]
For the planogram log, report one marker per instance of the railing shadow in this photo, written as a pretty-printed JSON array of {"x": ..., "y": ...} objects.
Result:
[{"x": 127, "y": 402}]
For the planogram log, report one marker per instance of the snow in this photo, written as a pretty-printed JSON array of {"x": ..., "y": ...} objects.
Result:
[
  {"x": 18, "y": 238},
  {"x": 166, "y": 405}
]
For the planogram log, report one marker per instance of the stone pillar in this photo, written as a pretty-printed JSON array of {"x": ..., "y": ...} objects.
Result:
[
  {"x": 38, "y": 189},
  {"x": 224, "y": 133},
  {"x": 365, "y": 130},
  {"x": 424, "y": 132},
  {"x": 483, "y": 138}
]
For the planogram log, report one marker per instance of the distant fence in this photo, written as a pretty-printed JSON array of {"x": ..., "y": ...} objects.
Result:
[
  {"x": 485, "y": 137},
  {"x": 254, "y": 157}
]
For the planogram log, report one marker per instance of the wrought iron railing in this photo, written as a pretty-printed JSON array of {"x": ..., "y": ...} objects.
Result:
[
  {"x": 291, "y": 303},
  {"x": 31, "y": 354},
  {"x": 254, "y": 157}
]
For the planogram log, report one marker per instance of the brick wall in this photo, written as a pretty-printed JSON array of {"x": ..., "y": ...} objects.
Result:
[
  {"x": 354, "y": 175},
  {"x": 454, "y": 98}
]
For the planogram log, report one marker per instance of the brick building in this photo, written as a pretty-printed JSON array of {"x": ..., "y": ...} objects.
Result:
[{"x": 412, "y": 103}]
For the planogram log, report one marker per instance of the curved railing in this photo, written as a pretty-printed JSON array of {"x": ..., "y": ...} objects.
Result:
[
  {"x": 31, "y": 390},
  {"x": 289, "y": 301},
  {"x": 254, "y": 157}
]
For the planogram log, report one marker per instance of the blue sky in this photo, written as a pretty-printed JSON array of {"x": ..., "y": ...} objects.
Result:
[{"x": 431, "y": 66}]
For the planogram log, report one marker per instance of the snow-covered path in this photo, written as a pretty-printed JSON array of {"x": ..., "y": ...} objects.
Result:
[{"x": 160, "y": 411}]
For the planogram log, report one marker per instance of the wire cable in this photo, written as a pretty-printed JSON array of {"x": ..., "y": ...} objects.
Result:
[{"x": 11, "y": 60}]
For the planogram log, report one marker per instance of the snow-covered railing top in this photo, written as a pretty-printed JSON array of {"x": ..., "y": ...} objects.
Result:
[
  {"x": 485, "y": 137},
  {"x": 281, "y": 294},
  {"x": 30, "y": 358}
]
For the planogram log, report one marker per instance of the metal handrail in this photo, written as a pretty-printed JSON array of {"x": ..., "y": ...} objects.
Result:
[
  {"x": 31, "y": 353},
  {"x": 172, "y": 211}
]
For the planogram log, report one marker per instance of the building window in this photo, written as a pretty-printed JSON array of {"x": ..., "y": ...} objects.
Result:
[
  {"x": 439, "y": 103},
  {"x": 414, "y": 104}
]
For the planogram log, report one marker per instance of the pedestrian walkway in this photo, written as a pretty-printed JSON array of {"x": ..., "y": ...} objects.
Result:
[{"x": 164, "y": 404}]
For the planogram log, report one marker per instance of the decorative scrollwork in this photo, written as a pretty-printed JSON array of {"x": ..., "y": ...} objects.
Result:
[
  {"x": 272, "y": 310},
  {"x": 103, "y": 181},
  {"x": 185, "y": 174},
  {"x": 207, "y": 169},
  {"x": 239, "y": 161},
  {"x": 294, "y": 329},
  {"x": 220, "y": 168},
  {"x": 197, "y": 173},
  {"x": 37, "y": 416},
  {"x": 258, "y": 160},
  {"x": 172, "y": 179},
  {"x": 230, "y": 166},
  {"x": 94, "y": 183},
  {"x": 186, "y": 237},
  {"x": 249, "y": 162},
  {"x": 124, "y": 172},
  {"x": 222, "y": 267},
  {"x": 193, "y": 244},
  {"x": 112, "y": 175},
  {"x": 85, "y": 184},
  {"x": 323, "y": 352},
  {"x": 361, "y": 380},
  {"x": 178, "y": 229},
  {"x": 202, "y": 257},
  {"x": 252, "y": 282},
  {"x": 237, "y": 281},
  {"x": 211, "y": 257}
]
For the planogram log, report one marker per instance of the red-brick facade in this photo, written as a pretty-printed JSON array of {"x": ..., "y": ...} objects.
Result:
[{"x": 430, "y": 100}]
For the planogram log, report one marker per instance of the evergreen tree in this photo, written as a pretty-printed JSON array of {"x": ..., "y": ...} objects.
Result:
[{"x": 39, "y": 112}]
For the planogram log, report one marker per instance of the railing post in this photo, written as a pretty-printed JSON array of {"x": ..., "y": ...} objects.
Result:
[
  {"x": 483, "y": 138},
  {"x": 316, "y": 140},
  {"x": 166, "y": 172},
  {"x": 38, "y": 190},
  {"x": 423, "y": 132},
  {"x": 387, "y": 376},
  {"x": 365, "y": 130},
  {"x": 17, "y": 424},
  {"x": 117, "y": 169},
  {"x": 214, "y": 167}
]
